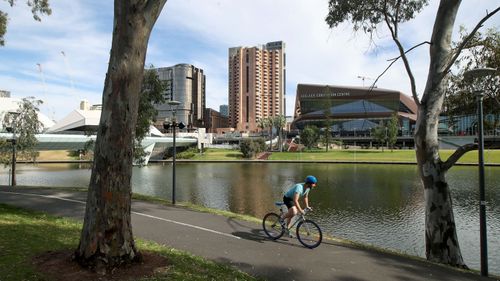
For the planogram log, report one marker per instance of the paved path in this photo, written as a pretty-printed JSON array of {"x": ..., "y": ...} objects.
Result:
[{"x": 243, "y": 244}]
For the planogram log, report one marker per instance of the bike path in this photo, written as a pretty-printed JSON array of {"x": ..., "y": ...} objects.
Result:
[{"x": 243, "y": 244}]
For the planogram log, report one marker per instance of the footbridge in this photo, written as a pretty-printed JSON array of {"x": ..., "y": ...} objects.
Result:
[{"x": 77, "y": 142}]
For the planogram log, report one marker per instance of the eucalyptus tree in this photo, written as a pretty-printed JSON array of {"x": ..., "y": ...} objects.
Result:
[
  {"x": 38, "y": 7},
  {"x": 106, "y": 240},
  {"x": 25, "y": 125},
  {"x": 380, "y": 134},
  {"x": 441, "y": 243},
  {"x": 483, "y": 50},
  {"x": 309, "y": 136},
  {"x": 152, "y": 93},
  {"x": 392, "y": 131}
]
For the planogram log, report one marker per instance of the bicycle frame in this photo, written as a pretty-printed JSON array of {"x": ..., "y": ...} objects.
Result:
[{"x": 300, "y": 216}]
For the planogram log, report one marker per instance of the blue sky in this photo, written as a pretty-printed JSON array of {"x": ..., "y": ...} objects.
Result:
[{"x": 200, "y": 32}]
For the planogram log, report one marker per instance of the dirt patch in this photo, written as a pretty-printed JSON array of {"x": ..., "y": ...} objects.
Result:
[{"x": 59, "y": 266}]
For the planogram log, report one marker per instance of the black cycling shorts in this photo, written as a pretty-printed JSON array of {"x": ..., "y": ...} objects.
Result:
[{"x": 288, "y": 202}]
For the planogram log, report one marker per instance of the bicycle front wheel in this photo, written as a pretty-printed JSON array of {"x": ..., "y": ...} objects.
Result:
[
  {"x": 309, "y": 234},
  {"x": 272, "y": 226}
]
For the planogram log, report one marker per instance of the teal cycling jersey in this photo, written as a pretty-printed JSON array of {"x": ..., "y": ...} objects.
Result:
[{"x": 297, "y": 188}]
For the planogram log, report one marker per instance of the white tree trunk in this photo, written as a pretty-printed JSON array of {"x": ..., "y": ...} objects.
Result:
[{"x": 440, "y": 230}]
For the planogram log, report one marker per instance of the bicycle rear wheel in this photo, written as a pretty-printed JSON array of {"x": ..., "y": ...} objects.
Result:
[
  {"x": 272, "y": 226},
  {"x": 309, "y": 234}
]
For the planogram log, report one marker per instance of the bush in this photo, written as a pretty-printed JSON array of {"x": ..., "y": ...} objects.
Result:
[
  {"x": 249, "y": 148},
  {"x": 188, "y": 154}
]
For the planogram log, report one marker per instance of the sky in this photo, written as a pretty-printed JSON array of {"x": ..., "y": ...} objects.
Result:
[{"x": 63, "y": 59}]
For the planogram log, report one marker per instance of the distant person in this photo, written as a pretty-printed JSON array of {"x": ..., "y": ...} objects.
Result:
[{"x": 292, "y": 196}]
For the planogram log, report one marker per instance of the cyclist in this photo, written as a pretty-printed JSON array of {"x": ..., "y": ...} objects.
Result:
[{"x": 292, "y": 196}]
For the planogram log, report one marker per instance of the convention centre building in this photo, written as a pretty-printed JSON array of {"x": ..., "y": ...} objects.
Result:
[{"x": 352, "y": 111}]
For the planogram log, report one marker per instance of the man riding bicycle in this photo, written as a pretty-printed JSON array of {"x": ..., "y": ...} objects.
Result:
[{"x": 292, "y": 196}]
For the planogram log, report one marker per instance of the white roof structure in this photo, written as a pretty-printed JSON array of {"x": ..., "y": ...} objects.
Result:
[
  {"x": 12, "y": 104},
  {"x": 85, "y": 120},
  {"x": 78, "y": 120}
]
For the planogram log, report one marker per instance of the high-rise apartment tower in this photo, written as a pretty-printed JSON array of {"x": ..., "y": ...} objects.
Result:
[{"x": 256, "y": 84}]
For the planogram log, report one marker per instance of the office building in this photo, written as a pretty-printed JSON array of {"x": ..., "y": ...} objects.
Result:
[
  {"x": 185, "y": 84},
  {"x": 224, "y": 110},
  {"x": 257, "y": 77},
  {"x": 214, "y": 120}
]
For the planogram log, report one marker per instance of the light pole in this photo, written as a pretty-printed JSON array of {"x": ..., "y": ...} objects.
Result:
[
  {"x": 470, "y": 75},
  {"x": 14, "y": 145},
  {"x": 166, "y": 125}
]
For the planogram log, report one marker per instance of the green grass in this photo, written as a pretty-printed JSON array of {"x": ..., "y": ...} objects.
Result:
[
  {"x": 355, "y": 155},
  {"x": 25, "y": 234},
  {"x": 219, "y": 154}
]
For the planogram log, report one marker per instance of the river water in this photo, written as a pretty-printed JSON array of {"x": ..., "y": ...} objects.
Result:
[{"x": 381, "y": 205}]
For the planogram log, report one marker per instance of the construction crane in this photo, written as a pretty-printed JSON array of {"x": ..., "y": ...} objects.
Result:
[{"x": 364, "y": 78}]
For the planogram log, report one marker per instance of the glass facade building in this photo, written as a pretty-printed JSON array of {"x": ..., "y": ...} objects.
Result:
[
  {"x": 352, "y": 110},
  {"x": 185, "y": 84}
]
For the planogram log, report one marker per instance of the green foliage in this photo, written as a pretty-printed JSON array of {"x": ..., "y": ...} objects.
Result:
[
  {"x": 392, "y": 131},
  {"x": 187, "y": 154},
  {"x": 151, "y": 93},
  {"x": 25, "y": 125},
  {"x": 38, "y": 7},
  {"x": 367, "y": 14},
  {"x": 309, "y": 136},
  {"x": 482, "y": 51},
  {"x": 263, "y": 123},
  {"x": 380, "y": 133},
  {"x": 251, "y": 147}
]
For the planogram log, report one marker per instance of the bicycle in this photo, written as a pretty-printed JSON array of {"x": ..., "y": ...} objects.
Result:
[{"x": 307, "y": 231}]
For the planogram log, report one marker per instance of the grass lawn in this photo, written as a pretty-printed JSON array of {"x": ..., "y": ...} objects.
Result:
[
  {"x": 490, "y": 156},
  {"x": 25, "y": 234}
]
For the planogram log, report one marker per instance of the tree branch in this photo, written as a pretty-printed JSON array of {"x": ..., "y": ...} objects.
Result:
[
  {"x": 405, "y": 59},
  {"x": 457, "y": 155},
  {"x": 462, "y": 45},
  {"x": 411, "y": 49}
]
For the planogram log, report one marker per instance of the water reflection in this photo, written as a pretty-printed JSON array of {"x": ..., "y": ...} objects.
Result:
[{"x": 375, "y": 204}]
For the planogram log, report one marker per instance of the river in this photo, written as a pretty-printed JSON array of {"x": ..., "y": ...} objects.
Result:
[{"x": 381, "y": 205}]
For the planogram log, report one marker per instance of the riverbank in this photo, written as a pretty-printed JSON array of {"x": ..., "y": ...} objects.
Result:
[
  {"x": 365, "y": 156},
  {"x": 242, "y": 245}
]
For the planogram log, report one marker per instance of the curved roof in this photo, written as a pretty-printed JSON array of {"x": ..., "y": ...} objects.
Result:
[{"x": 312, "y": 102}]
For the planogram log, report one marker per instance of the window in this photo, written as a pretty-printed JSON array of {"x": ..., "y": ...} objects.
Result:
[
  {"x": 248, "y": 79},
  {"x": 248, "y": 109}
]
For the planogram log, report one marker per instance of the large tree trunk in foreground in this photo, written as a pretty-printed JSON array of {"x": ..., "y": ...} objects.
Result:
[
  {"x": 106, "y": 239},
  {"x": 441, "y": 241}
]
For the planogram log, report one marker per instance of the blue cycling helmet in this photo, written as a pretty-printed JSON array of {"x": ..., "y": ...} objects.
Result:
[{"x": 311, "y": 179}]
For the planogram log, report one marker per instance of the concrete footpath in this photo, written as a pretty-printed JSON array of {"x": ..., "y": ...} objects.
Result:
[{"x": 243, "y": 244}]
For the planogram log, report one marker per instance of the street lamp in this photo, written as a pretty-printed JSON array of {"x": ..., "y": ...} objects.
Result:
[
  {"x": 166, "y": 125},
  {"x": 14, "y": 145},
  {"x": 470, "y": 75}
]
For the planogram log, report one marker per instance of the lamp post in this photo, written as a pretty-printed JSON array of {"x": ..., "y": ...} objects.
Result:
[
  {"x": 14, "y": 146},
  {"x": 166, "y": 125},
  {"x": 470, "y": 75}
]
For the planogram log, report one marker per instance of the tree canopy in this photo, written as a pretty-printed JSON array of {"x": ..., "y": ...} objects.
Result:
[
  {"x": 38, "y": 7},
  {"x": 483, "y": 50},
  {"x": 25, "y": 124}
]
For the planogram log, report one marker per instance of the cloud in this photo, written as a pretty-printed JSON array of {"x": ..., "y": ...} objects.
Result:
[{"x": 200, "y": 32}]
